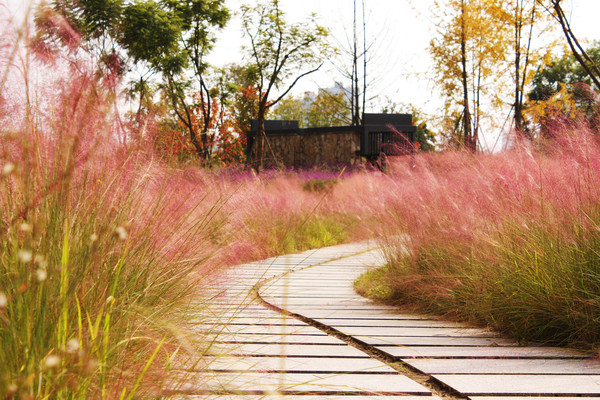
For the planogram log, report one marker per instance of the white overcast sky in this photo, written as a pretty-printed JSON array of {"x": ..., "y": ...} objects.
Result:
[{"x": 405, "y": 28}]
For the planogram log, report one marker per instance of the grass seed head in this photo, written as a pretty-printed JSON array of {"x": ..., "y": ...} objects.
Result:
[
  {"x": 25, "y": 227},
  {"x": 52, "y": 361},
  {"x": 121, "y": 233},
  {"x": 72, "y": 346},
  {"x": 12, "y": 389},
  {"x": 40, "y": 260},
  {"x": 8, "y": 168},
  {"x": 25, "y": 256},
  {"x": 41, "y": 274}
]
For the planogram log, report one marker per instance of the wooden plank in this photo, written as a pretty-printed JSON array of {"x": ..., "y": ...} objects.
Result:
[
  {"x": 481, "y": 352},
  {"x": 286, "y": 339},
  {"x": 483, "y": 385},
  {"x": 324, "y": 302},
  {"x": 252, "y": 319},
  {"x": 292, "y": 350},
  {"x": 292, "y": 292},
  {"x": 364, "y": 307},
  {"x": 375, "y": 331},
  {"x": 263, "y": 329},
  {"x": 309, "y": 383},
  {"x": 377, "y": 314},
  {"x": 308, "y": 287},
  {"x": 495, "y": 366},
  {"x": 292, "y": 298},
  {"x": 389, "y": 323},
  {"x": 385, "y": 342},
  {"x": 297, "y": 364}
]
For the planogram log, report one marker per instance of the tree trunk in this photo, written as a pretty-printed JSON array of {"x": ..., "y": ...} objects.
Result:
[
  {"x": 467, "y": 138},
  {"x": 260, "y": 135},
  {"x": 355, "y": 92},
  {"x": 518, "y": 103},
  {"x": 195, "y": 143},
  {"x": 580, "y": 55},
  {"x": 206, "y": 107}
]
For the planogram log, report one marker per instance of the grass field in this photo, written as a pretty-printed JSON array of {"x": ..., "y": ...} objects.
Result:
[
  {"x": 104, "y": 246},
  {"x": 509, "y": 241}
]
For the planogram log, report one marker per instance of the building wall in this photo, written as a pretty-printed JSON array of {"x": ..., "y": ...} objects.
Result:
[{"x": 313, "y": 146}]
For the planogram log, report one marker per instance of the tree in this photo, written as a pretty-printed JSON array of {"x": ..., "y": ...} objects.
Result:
[
  {"x": 226, "y": 144},
  {"x": 118, "y": 34},
  {"x": 163, "y": 37},
  {"x": 279, "y": 52},
  {"x": 562, "y": 70},
  {"x": 586, "y": 62},
  {"x": 523, "y": 16},
  {"x": 238, "y": 84},
  {"x": 356, "y": 92},
  {"x": 326, "y": 108},
  {"x": 562, "y": 88},
  {"x": 466, "y": 52},
  {"x": 425, "y": 139},
  {"x": 198, "y": 18},
  {"x": 360, "y": 62},
  {"x": 292, "y": 108}
]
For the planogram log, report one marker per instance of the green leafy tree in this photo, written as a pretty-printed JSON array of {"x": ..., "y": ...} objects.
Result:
[
  {"x": 563, "y": 70},
  {"x": 198, "y": 19},
  {"x": 237, "y": 85},
  {"x": 425, "y": 139},
  {"x": 292, "y": 108},
  {"x": 311, "y": 111},
  {"x": 281, "y": 53},
  {"x": 587, "y": 63},
  {"x": 328, "y": 109},
  {"x": 563, "y": 88},
  {"x": 166, "y": 38}
]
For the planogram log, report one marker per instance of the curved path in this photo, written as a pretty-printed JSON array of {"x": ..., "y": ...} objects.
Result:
[{"x": 292, "y": 327}]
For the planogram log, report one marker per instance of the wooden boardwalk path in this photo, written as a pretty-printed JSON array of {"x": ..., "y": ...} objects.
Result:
[{"x": 292, "y": 327}]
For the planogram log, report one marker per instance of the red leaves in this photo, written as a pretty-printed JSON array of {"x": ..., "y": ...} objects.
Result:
[{"x": 225, "y": 139}]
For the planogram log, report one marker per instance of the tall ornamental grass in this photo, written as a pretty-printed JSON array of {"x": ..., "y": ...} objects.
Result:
[
  {"x": 104, "y": 248},
  {"x": 511, "y": 241},
  {"x": 96, "y": 252}
]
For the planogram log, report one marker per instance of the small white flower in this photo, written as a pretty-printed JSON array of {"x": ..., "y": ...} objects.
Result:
[
  {"x": 25, "y": 255},
  {"x": 3, "y": 300},
  {"x": 12, "y": 388},
  {"x": 25, "y": 227},
  {"x": 40, "y": 260},
  {"x": 93, "y": 237},
  {"x": 52, "y": 361},
  {"x": 8, "y": 168},
  {"x": 41, "y": 274},
  {"x": 121, "y": 232},
  {"x": 72, "y": 346}
]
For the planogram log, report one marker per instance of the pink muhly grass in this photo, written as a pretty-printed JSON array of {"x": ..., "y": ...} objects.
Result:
[
  {"x": 91, "y": 231},
  {"x": 477, "y": 226}
]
